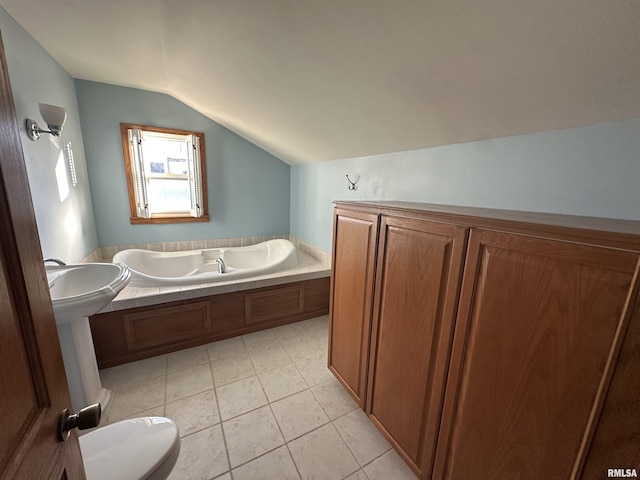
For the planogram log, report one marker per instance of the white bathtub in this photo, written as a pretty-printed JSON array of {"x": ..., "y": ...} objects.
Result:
[{"x": 155, "y": 269}]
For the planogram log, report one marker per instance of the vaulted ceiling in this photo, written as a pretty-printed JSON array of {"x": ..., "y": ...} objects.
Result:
[{"x": 316, "y": 80}]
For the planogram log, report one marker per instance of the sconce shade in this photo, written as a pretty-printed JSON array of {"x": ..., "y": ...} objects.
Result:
[{"x": 53, "y": 115}]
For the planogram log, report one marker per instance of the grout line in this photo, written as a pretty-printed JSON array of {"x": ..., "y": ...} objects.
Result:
[
  {"x": 293, "y": 460},
  {"x": 166, "y": 383},
  {"x": 260, "y": 456},
  {"x": 224, "y": 437},
  {"x": 347, "y": 443}
]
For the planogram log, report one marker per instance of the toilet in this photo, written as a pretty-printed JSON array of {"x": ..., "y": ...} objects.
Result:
[{"x": 143, "y": 448}]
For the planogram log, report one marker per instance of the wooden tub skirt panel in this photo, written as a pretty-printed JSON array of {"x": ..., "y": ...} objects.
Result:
[
  {"x": 263, "y": 306},
  {"x": 133, "y": 334},
  {"x": 161, "y": 326}
]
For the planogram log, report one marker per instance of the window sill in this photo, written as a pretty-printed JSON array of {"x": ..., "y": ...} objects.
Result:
[{"x": 174, "y": 219}]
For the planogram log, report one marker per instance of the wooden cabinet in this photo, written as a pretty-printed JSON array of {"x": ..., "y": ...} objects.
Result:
[
  {"x": 503, "y": 344},
  {"x": 537, "y": 323},
  {"x": 418, "y": 273},
  {"x": 352, "y": 278}
]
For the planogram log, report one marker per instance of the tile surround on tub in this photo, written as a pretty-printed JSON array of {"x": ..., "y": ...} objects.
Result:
[
  {"x": 312, "y": 263},
  {"x": 107, "y": 253},
  {"x": 308, "y": 268},
  {"x": 320, "y": 255},
  {"x": 93, "y": 257}
]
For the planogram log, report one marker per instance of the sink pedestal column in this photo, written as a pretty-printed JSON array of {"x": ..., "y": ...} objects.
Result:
[{"x": 80, "y": 364}]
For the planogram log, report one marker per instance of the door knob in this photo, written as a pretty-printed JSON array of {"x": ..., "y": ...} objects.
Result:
[{"x": 88, "y": 417}]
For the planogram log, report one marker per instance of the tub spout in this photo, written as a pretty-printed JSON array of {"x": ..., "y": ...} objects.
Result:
[{"x": 221, "y": 266}]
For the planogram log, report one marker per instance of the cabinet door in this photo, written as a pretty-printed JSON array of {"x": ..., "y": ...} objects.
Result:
[
  {"x": 418, "y": 277},
  {"x": 538, "y": 326},
  {"x": 352, "y": 277}
]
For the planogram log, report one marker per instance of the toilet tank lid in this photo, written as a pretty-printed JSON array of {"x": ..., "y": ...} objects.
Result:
[{"x": 130, "y": 449}]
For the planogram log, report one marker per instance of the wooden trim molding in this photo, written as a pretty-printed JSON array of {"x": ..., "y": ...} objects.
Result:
[{"x": 134, "y": 219}]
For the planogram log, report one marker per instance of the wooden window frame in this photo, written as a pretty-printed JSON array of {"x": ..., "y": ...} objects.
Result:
[{"x": 161, "y": 218}]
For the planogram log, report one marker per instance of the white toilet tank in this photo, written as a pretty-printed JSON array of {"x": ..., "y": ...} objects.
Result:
[{"x": 143, "y": 448}]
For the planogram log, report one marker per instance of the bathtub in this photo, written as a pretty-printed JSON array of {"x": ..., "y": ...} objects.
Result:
[{"x": 161, "y": 269}]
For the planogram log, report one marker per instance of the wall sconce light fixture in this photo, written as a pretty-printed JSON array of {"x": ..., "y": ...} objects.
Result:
[{"x": 54, "y": 117}]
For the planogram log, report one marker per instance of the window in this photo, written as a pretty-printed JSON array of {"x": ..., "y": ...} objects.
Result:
[{"x": 166, "y": 175}]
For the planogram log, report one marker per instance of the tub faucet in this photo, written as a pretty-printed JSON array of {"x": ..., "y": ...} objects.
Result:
[
  {"x": 221, "y": 266},
  {"x": 55, "y": 260}
]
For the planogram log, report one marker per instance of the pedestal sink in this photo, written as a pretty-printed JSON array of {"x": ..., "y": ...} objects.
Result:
[{"x": 77, "y": 292}]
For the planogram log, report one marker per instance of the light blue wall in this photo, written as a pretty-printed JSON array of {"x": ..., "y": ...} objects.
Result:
[
  {"x": 592, "y": 171},
  {"x": 248, "y": 189},
  {"x": 66, "y": 228}
]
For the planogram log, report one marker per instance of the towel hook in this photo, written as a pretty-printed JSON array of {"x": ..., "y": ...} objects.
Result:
[{"x": 352, "y": 184}]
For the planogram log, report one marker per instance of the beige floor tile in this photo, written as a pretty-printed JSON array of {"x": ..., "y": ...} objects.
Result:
[
  {"x": 187, "y": 359},
  {"x": 334, "y": 398},
  {"x": 317, "y": 323},
  {"x": 389, "y": 465},
  {"x": 231, "y": 369},
  {"x": 288, "y": 332},
  {"x": 298, "y": 414},
  {"x": 194, "y": 413},
  {"x": 282, "y": 382},
  {"x": 251, "y": 435},
  {"x": 269, "y": 356},
  {"x": 292, "y": 374},
  {"x": 226, "y": 348},
  {"x": 133, "y": 372},
  {"x": 359, "y": 475},
  {"x": 202, "y": 456},
  {"x": 275, "y": 465},
  {"x": 301, "y": 349},
  {"x": 316, "y": 329},
  {"x": 187, "y": 382},
  {"x": 240, "y": 397},
  {"x": 259, "y": 339},
  {"x": 363, "y": 439},
  {"x": 137, "y": 397},
  {"x": 314, "y": 370},
  {"x": 323, "y": 455},
  {"x": 321, "y": 339}
]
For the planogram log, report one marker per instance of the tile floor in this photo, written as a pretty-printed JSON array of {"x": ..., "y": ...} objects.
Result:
[{"x": 262, "y": 406}]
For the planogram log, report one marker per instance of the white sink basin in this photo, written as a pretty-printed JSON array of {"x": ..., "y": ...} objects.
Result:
[
  {"x": 77, "y": 292},
  {"x": 82, "y": 290}
]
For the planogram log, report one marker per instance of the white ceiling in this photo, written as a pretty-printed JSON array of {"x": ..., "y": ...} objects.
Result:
[{"x": 315, "y": 80}]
